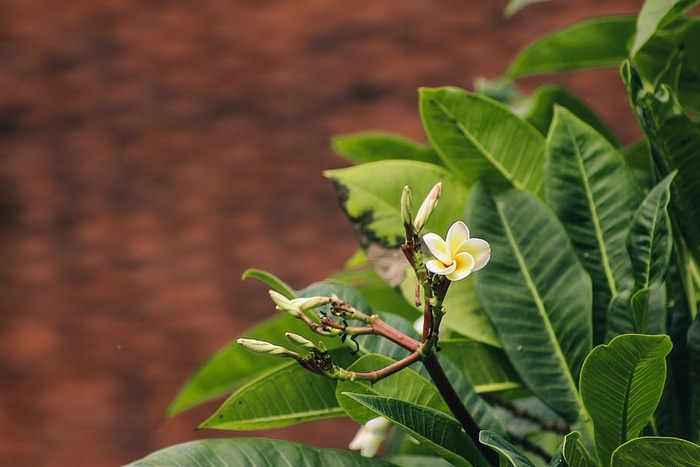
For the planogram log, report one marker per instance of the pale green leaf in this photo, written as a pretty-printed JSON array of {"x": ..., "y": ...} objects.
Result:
[
  {"x": 657, "y": 452},
  {"x": 655, "y": 15},
  {"x": 269, "y": 279},
  {"x": 593, "y": 43},
  {"x": 621, "y": 384},
  {"x": 594, "y": 194},
  {"x": 515, "y": 6},
  {"x": 467, "y": 131},
  {"x": 370, "y": 195},
  {"x": 536, "y": 293},
  {"x": 438, "y": 431},
  {"x": 253, "y": 452},
  {"x": 374, "y": 147}
]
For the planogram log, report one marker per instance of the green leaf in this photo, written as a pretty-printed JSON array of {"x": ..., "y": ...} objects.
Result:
[
  {"x": 506, "y": 451},
  {"x": 406, "y": 385},
  {"x": 285, "y": 396},
  {"x": 487, "y": 368},
  {"x": 370, "y": 195},
  {"x": 252, "y": 452},
  {"x": 594, "y": 194},
  {"x": 439, "y": 432},
  {"x": 655, "y": 15},
  {"x": 621, "y": 384},
  {"x": 574, "y": 453},
  {"x": 593, "y": 43},
  {"x": 535, "y": 292},
  {"x": 373, "y": 147},
  {"x": 269, "y": 279},
  {"x": 467, "y": 131},
  {"x": 539, "y": 110},
  {"x": 650, "y": 241},
  {"x": 657, "y": 452},
  {"x": 675, "y": 144}
]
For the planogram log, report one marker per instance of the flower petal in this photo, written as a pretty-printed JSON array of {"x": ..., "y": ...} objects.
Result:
[
  {"x": 464, "y": 266},
  {"x": 458, "y": 233},
  {"x": 437, "y": 247},
  {"x": 438, "y": 267},
  {"x": 479, "y": 249}
]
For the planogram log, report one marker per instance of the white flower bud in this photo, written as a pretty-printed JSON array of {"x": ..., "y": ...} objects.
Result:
[
  {"x": 370, "y": 436},
  {"x": 266, "y": 348},
  {"x": 300, "y": 341},
  {"x": 427, "y": 208},
  {"x": 406, "y": 206}
]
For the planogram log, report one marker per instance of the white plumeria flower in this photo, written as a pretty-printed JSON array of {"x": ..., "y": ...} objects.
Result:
[
  {"x": 458, "y": 255},
  {"x": 370, "y": 436}
]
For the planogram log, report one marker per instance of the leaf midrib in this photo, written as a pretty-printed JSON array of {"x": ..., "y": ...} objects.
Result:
[{"x": 605, "y": 260}]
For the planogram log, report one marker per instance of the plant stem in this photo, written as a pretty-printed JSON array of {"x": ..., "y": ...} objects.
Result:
[{"x": 448, "y": 393}]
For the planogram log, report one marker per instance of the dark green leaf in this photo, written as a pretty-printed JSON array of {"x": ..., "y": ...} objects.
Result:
[
  {"x": 467, "y": 131},
  {"x": 621, "y": 384},
  {"x": 374, "y": 147},
  {"x": 252, "y": 452},
  {"x": 694, "y": 351},
  {"x": 595, "y": 195},
  {"x": 657, "y": 452},
  {"x": 575, "y": 453},
  {"x": 508, "y": 453},
  {"x": 535, "y": 292},
  {"x": 593, "y": 43},
  {"x": 650, "y": 241},
  {"x": 440, "y": 432},
  {"x": 285, "y": 396}
]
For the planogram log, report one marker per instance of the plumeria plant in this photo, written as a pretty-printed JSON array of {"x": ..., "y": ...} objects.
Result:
[{"x": 564, "y": 333}]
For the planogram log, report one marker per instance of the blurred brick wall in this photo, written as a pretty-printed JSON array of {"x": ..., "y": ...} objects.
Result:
[{"x": 150, "y": 151}]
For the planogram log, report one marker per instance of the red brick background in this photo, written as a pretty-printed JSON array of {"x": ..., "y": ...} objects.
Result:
[{"x": 150, "y": 151}]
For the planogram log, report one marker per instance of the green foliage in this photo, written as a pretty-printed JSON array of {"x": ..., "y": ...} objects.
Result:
[
  {"x": 621, "y": 383},
  {"x": 590, "y": 242},
  {"x": 249, "y": 452}
]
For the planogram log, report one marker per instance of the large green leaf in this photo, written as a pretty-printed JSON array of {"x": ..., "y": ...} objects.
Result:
[
  {"x": 593, "y": 43},
  {"x": 510, "y": 456},
  {"x": 656, "y": 14},
  {"x": 373, "y": 147},
  {"x": 594, "y": 194},
  {"x": 538, "y": 109},
  {"x": 535, "y": 292},
  {"x": 468, "y": 132},
  {"x": 675, "y": 145},
  {"x": 487, "y": 368},
  {"x": 406, "y": 385},
  {"x": 649, "y": 241},
  {"x": 371, "y": 197},
  {"x": 621, "y": 384},
  {"x": 252, "y": 452},
  {"x": 233, "y": 366},
  {"x": 285, "y": 396},
  {"x": 657, "y": 452},
  {"x": 439, "y": 432}
]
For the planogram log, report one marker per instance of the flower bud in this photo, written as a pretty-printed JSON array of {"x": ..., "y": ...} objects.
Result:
[
  {"x": 266, "y": 348},
  {"x": 300, "y": 341},
  {"x": 406, "y": 206},
  {"x": 427, "y": 208},
  {"x": 283, "y": 303},
  {"x": 309, "y": 303},
  {"x": 370, "y": 436}
]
